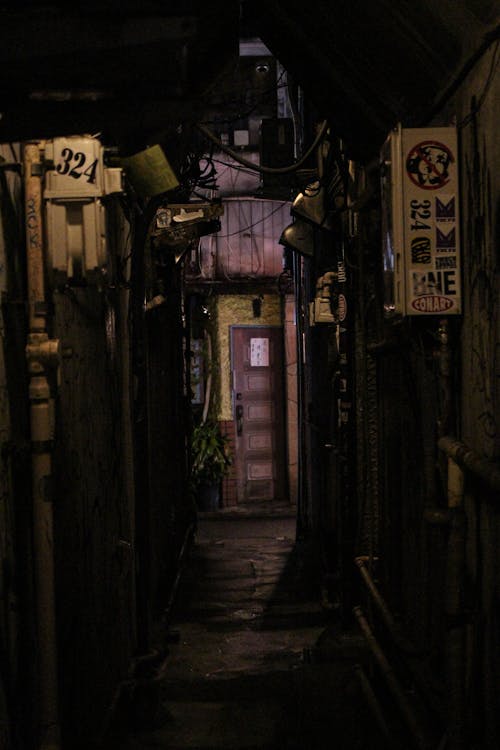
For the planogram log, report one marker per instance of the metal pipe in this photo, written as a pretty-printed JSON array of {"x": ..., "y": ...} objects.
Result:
[
  {"x": 411, "y": 655},
  {"x": 377, "y": 597},
  {"x": 374, "y": 704},
  {"x": 454, "y": 610},
  {"x": 417, "y": 734},
  {"x": 208, "y": 384},
  {"x": 468, "y": 459},
  {"x": 445, "y": 376},
  {"x": 34, "y": 236},
  {"x": 180, "y": 563},
  {"x": 41, "y": 353},
  {"x": 149, "y": 669}
]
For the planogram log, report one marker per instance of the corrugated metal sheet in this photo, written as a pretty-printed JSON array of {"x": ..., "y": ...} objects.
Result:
[{"x": 247, "y": 245}]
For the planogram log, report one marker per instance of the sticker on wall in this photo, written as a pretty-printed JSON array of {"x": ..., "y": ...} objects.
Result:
[
  {"x": 432, "y": 304},
  {"x": 446, "y": 242},
  {"x": 448, "y": 261},
  {"x": 342, "y": 308},
  {"x": 445, "y": 209},
  {"x": 421, "y": 250},
  {"x": 422, "y": 222},
  {"x": 259, "y": 352},
  {"x": 428, "y": 164},
  {"x": 431, "y": 221}
]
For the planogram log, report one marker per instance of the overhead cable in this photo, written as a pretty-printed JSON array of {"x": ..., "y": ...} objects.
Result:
[
  {"x": 259, "y": 167},
  {"x": 488, "y": 40},
  {"x": 254, "y": 224}
]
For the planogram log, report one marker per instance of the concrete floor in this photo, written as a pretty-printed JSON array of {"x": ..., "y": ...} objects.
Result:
[{"x": 244, "y": 673}]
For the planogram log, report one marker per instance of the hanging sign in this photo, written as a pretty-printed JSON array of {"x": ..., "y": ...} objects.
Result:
[{"x": 431, "y": 221}]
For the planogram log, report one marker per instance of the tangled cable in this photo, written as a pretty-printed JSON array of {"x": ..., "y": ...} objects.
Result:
[{"x": 258, "y": 167}]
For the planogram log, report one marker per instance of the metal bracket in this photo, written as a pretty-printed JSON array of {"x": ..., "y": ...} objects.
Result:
[{"x": 37, "y": 169}]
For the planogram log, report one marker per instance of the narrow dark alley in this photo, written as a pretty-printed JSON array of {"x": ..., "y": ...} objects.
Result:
[
  {"x": 249, "y": 671},
  {"x": 250, "y": 375}
]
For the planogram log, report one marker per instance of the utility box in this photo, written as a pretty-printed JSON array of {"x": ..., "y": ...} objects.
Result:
[
  {"x": 421, "y": 222},
  {"x": 75, "y": 215},
  {"x": 277, "y": 150}
]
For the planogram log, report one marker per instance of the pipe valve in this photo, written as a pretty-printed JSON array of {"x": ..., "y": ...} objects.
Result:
[{"x": 42, "y": 352}]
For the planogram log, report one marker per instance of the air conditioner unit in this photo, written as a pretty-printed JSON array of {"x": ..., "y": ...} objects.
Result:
[
  {"x": 421, "y": 222},
  {"x": 75, "y": 214}
]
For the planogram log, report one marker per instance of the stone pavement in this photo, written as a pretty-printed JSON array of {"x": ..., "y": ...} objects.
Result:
[{"x": 241, "y": 676}]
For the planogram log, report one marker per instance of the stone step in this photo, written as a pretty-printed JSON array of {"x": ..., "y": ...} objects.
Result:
[
  {"x": 246, "y": 671},
  {"x": 235, "y": 686},
  {"x": 216, "y": 725}
]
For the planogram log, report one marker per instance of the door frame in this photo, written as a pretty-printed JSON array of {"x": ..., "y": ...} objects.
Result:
[{"x": 281, "y": 375}]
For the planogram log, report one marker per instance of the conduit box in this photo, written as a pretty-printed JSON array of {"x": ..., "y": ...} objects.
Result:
[
  {"x": 421, "y": 222},
  {"x": 75, "y": 214}
]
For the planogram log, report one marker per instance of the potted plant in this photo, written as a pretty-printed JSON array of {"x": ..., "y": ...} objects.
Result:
[{"x": 210, "y": 463}]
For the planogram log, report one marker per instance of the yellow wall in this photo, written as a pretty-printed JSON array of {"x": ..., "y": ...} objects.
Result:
[{"x": 237, "y": 310}]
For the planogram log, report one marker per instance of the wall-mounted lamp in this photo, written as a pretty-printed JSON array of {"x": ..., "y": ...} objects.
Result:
[{"x": 257, "y": 306}]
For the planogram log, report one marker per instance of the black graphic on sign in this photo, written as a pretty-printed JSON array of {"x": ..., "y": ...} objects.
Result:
[
  {"x": 421, "y": 250},
  {"x": 74, "y": 164},
  {"x": 420, "y": 213},
  {"x": 445, "y": 211},
  {"x": 446, "y": 262},
  {"x": 446, "y": 241},
  {"x": 428, "y": 163},
  {"x": 435, "y": 282}
]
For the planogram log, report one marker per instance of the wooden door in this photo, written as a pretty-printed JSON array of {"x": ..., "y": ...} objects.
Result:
[{"x": 258, "y": 411}]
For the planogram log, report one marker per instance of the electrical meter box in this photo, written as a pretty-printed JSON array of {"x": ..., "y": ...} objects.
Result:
[
  {"x": 421, "y": 222},
  {"x": 75, "y": 214}
]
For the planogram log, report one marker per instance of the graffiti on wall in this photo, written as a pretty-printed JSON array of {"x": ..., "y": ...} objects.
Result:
[{"x": 481, "y": 273}]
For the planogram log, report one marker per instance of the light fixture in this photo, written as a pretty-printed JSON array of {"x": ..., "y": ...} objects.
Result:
[
  {"x": 299, "y": 236},
  {"x": 257, "y": 306}
]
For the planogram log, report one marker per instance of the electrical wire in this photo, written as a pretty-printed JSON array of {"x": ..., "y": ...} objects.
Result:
[
  {"x": 469, "y": 65},
  {"x": 198, "y": 172},
  {"x": 477, "y": 106},
  {"x": 259, "y": 167},
  {"x": 256, "y": 223},
  {"x": 258, "y": 103},
  {"x": 232, "y": 166}
]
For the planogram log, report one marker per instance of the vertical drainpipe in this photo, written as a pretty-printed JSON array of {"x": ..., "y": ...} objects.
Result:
[
  {"x": 455, "y": 560},
  {"x": 41, "y": 354},
  {"x": 303, "y": 518},
  {"x": 454, "y": 609}
]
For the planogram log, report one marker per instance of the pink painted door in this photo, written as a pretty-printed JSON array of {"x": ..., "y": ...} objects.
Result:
[{"x": 258, "y": 411}]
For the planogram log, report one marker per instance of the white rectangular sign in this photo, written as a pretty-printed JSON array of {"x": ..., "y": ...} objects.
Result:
[
  {"x": 431, "y": 221},
  {"x": 259, "y": 352}
]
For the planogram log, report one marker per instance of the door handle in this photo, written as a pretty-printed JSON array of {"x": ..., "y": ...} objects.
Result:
[{"x": 239, "y": 419}]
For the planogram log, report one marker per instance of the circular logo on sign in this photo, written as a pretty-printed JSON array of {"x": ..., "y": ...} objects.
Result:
[
  {"x": 428, "y": 164},
  {"x": 432, "y": 303}
]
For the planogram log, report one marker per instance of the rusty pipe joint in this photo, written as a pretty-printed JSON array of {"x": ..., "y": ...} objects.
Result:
[
  {"x": 466, "y": 458},
  {"x": 436, "y": 516},
  {"x": 39, "y": 389},
  {"x": 42, "y": 352}
]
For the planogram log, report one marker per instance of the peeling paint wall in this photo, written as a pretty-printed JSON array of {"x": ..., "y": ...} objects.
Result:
[
  {"x": 477, "y": 109},
  {"x": 17, "y": 634},
  {"x": 291, "y": 397},
  {"x": 237, "y": 310},
  {"x": 480, "y": 187},
  {"x": 401, "y": 379}
]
